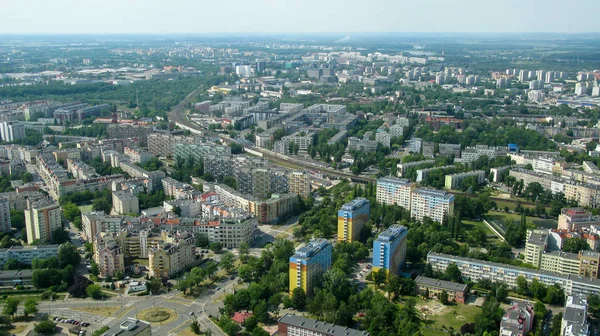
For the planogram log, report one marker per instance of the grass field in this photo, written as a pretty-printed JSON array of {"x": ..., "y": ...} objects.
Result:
[
  {"x": 85, "y": 208},
  {"x": 454, "y": 315},
  {"x": 500, "y": 217}
]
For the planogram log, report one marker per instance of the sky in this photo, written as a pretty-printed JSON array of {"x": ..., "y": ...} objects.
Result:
[{"x": 295, "y": 16}]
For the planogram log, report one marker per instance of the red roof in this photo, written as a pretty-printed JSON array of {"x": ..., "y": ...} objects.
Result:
[{"x": 240, "y": 317}]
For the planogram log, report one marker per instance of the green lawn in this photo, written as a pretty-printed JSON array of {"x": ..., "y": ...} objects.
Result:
[
  {"x": 469, "y": 225},
  {"x": 85, "y": 208},
  {"x": 446, "y": 317}
]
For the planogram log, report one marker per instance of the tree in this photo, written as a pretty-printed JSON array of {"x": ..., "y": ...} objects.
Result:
[
  {"x": 30, "y": 307},
  {"x": 244, "y": 249},
  {"x": 102, "y": 204},
  {"x": 227, "y": 261},
  {"x": 216, "y": 247},
  {"x": 575, "y": 245},
  {"x": 443, "y": 297},
  {"x": 94, "y": 269},
  {"x": 380, "y": 277},
  {"x": 45, "y": 326},
  {"x": 298, "y": 298},
  {"x": 211, "y": 268},
  {"x": 593, "y": 302},
  {"x": 94, "y": 291},
  {"x": 177, "y": 210},
  {"x": 195, "y": 327},
  {"x": 68, "y": 255},
  {"x": 245, "y": 272},
  {"x": 59, "y": 236},
  {"x": 153, "y": 285},
  {"x": 17, "y": 219},
  {"x": 10, "y": 306},
  {"x": 250, "y": 323},
  {"x": 202, "y": 240},
  {"x": 71, "y": 211},
  {"x": 261, "y": 311},
  {"x": 453, "y": 273}
]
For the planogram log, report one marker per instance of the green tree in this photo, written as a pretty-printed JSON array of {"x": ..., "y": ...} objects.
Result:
[
  {"x": 227, "y": 261},
  {"x": 10, "y": 306},
  {"x": 30, "y": 307},
  {"x": 380, "y": 277},
  {"x": 195, "y": 327},
  {"x": 244, "y": 249},
  {"x": 45, "y": 326},
  {"x": 216, "y": 247},
  {"x": 68, "y": 255},
  {"x": 71, "y": 211},
  {"x": 443, "y": 297},
  {"x": 575, "y": 245},
  {"x": 298, "y": 298},
  {"x": 261, "y": 311},
  {"x": 94, "y": 291},
  {"x": 59, "y": 236},
  {"x": 452, "y": 273},
  {"x": 153, "y": 285}
]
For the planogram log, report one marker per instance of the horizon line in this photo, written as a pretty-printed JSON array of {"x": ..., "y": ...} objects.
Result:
[{"x": 298, "y": 32}]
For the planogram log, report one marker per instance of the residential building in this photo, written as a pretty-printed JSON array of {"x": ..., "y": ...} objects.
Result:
[
  {"x": 389, "y": 250},
  {"x": 124, "y": 131},
  {"x": 131, "y": 327},
  {"x": 108, "y": 255},
  {"x": 383, "y": 137},
  {"x": 137, "y": 154},
  {"x": 436, "y": 122},
  {"x": 351, "y": 218},
  {"x": 42, "y": 216},
  {"x": 423, "y": 173},
  {"x": 125, "y": 202},
  {"x": 432, "y": 203},
  {"x": 394, "y": 191},
  {"x": 518, "y": 320},
  {"x": 299, "y": 183},
  {"x": 26, "y": 254},
  {"x": 453, "y": 181},
  {"x": 292, "y": 325},
  {"x": 456, "y": 292},
  {"x": 199, "y": 150},
  {"x": 309, "y": 263},
  {"x": 5, "y": 225},
  {"x": 576, "y": 219},
  {"x": 403, "y": 168},
  {"x": 536, "y": 96},
  {"x": 415, "y": 145},
  {"x": 170, "y": 258},
  {"x": 12, "y": 130},
  {"x": 574, "y": 321},
  {"x": 535, "y": 247}
]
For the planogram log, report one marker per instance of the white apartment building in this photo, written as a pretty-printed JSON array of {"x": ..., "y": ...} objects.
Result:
[
  {"x": 125, "y": 202},
  {"x": 435, "y": 204},
  {"x": 392, "y": 190},
  {"x": 12, "y": 130},
  {"x": 41, "y": 218},
  {"x": 5, "y": 225}
]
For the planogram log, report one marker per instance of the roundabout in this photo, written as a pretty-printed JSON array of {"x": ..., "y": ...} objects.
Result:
[{"x": 157, "y": 315}]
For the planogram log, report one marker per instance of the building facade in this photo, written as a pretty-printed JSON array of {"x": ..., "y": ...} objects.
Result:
[
  {"x": 389, "y": 249},
  {"x": 434, "y": 287},
  {"x": 41, "y": 218},
  {"x": 351, "y": 218},
  {"x": 308, "y": 264},
  {"x": 435, "y": 204},
  {"x": 394, "y": 191}
]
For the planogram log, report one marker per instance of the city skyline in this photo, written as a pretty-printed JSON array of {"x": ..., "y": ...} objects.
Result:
[{"x": 344, "y": 17}]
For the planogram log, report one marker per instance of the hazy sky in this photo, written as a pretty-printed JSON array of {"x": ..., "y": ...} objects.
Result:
[{"x": 344, "y": 16}]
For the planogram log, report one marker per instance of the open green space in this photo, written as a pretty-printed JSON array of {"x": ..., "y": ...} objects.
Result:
[
  {"x": 455, "y": 315},
  {"x": 85, "y": 208}
]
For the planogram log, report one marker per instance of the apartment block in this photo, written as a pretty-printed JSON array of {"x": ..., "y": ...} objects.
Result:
[
  {"x": 124, "y": 131},
  {"x": 125, "y": 203},
  {"x": 198, "y": 150},
  {"x": 456, "y": 292},
  {"x": 432, "y": 203},
  {"x": 26, "y": 254},
  {"x": 518, "y": 320},
  {"x": 137, "y": 154},
  {"x": 389, "y": 249},
  {"x": 108, "y": 255},
  {"x": 41, "y": 218},
  {"x": 170, "y": 258},
  {"x": 12, "y": 130},
  {"x": 453, "y": 181},
  {"x": 576, "y": 219},
  {"x": 394, "y": 191},
  {"x": 351, "y": 218},
  {"x": 299, "y": 183},
  {"x": 5, "y": 225},
  {"x": 403, "y": 167},
  {"x": 423, "y": 173},
  {"x": 309, "y": 263},
  {"x": 292, "y": 325},
  {"x": 574, "y": 321}
]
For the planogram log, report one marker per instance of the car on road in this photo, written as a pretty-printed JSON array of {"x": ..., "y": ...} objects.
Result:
[{"x": 191, "y": 314}]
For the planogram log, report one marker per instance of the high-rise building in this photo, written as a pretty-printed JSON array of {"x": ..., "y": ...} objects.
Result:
[
  {"x": 432, "y": 203},
  {"x": 12, "y": 130},
  {"x": 299, "y": 183},
  {"x": 125, "y": 202},
  {"x": 261, "y": 66},
  {"x": 309, "y": 263},
  {"x": 108, "y": 255},
  {"x": 351, "y": 219},
  {"x": 5, "y": 215},
  {"x": 171, "y": 257},
  {"x": 41, "y": 218},
  {"x": 392, "y": 190},
  {"x": 389, "y": 249}
]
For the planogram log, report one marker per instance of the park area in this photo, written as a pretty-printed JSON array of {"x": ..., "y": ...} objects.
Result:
[
  {"x": 439, "y": 317},
  {"x": 498, "y": 221}
]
